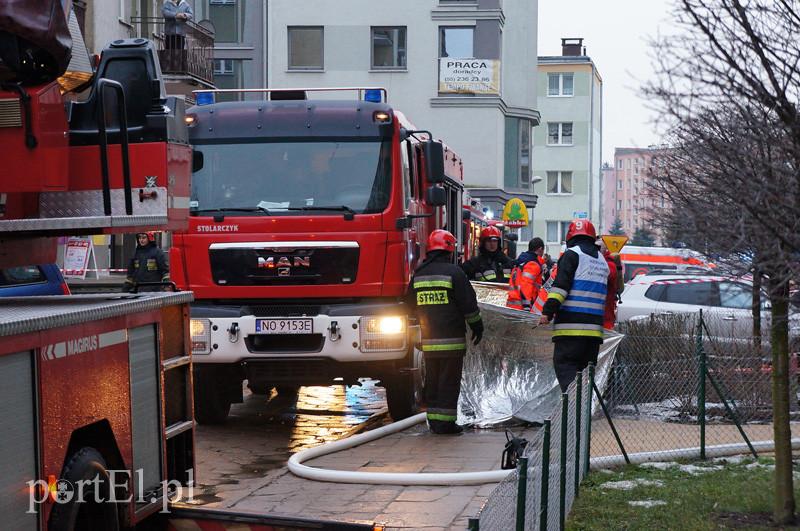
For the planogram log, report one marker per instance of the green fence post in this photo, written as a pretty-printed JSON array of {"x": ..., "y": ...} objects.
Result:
[
  {"x": 543, "y": 508},
  {"x": 701, "y": 390},
  {"x": 562, "y": 483},
  {"x": 733, "y": 415},
  {"x": 474, "y": 524},
  {"x": 578, "y": 404},
  {"x": 522, "y": 492},
  {"x": 589, "y": 421}
]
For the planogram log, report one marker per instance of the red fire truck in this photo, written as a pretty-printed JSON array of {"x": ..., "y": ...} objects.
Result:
[
  {"x": 95, "y": 390},
  {"x": 308, "y": 217}
]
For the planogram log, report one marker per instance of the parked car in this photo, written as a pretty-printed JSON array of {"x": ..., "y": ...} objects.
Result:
[
  {"x": 726, "y": 301},
  {"x": 45, "y": 279}
]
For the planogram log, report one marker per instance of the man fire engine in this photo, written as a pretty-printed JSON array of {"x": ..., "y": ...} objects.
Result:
[
  {"x": 308, "y": 218},
  {"x": 491, "y": 264}
]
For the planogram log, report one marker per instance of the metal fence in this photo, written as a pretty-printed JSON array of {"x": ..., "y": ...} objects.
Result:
[
  {"x": 681, "y": 386},
  {"x": 688, "y": 386},
  {"x": 191, "y": 54}
]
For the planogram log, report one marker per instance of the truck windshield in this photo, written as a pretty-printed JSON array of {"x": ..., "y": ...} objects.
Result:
[{"x": 290, "y": 177}]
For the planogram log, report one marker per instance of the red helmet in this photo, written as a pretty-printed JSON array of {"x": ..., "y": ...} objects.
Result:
[
  {"x": 441, "y": 240},
  {"x": 490, "y": 232},
  {"x": 581, "y": 227},
  {"x": 151, "y": 235}
]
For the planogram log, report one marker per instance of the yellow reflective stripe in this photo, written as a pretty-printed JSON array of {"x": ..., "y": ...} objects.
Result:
[
  {"x": 556, "y": 296},
  {"x": 440, "y": 416},
  {"x": 433, "y": 284},
  {"x": 473, "y": 318},
  {"x": 451, "y": 346},
  {"x": 578, "y": 333}
]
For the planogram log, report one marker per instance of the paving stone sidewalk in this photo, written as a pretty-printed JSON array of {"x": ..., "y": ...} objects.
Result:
[{"x": 413, "y": 450}]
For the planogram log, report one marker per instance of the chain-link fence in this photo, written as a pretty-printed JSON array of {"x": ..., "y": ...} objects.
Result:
[
  {"x": 689, "y": 386},
  {"x": 540, "y": 492},
  {"x": 681, "y": 386}
]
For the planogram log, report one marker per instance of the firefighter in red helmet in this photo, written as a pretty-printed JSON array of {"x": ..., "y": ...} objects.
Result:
[
  {"x": 444, "y": 302},
  {"x": 149, "y": 264},
  {"x": 576, "y": 303},
  {"x": 491, "y": 265}
]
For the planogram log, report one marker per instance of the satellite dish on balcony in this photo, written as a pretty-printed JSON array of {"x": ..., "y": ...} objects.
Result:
[{"x": 207, "y": 25}]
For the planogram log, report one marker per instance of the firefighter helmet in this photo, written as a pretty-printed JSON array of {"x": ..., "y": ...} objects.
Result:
[
  {"x": 441, "y": 240},
  {"x": 581, "y": 227},
  {"x": 490, "y": 232},
  {"x": 151, "y": 235}
]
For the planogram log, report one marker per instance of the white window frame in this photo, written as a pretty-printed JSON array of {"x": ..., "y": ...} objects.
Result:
[
  {"x": 227, "y": 67},
  {"x": 560, "y": 133},
  {"x": 560, "y": 93},
  {"x": 562, "y": 227},
  {"x": 222, "y": 2},
  {"x": 560, "y": 177}
]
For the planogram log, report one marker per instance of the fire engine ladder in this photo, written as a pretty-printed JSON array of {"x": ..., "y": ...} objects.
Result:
[{"x": 94, "y": 210}]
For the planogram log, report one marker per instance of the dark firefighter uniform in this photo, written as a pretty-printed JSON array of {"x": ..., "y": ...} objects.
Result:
[
  {"x": 577, "y": 300},
  {"x": 489, "y": 266},
  {"x": 444, "y": 303},
  {"x": 149, "y": 264}
]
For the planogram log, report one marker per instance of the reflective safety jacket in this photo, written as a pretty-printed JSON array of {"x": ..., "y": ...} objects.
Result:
[
  {"x": 524, "y": 285},
  {"x": 444, "y": 302},
  {"x": 489, "y": 267},
  {"x": 577, "y": 298}
]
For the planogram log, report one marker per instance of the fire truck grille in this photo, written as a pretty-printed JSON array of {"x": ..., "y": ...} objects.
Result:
[
  {"x": 298, "y": 267},
  {"x": 10, "y": 112},
  {"x": 300, "y": 343},
  {"x": 281, "y": 311}
]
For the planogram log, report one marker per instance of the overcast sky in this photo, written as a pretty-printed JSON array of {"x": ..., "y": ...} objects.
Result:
[{"x": 615, "y": 34}]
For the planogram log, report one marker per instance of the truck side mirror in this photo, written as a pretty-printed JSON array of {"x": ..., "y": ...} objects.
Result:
[
  {"x": 197, "y": 161},
  {"x": 436, "y": 196},
  {"x": 434, "y": 161},
  {"x": 466, "y": 215}
]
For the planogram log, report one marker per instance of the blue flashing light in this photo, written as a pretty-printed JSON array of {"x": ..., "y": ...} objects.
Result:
[
  {"x": 204, "y": 98},
  {"x": 373, "y": 95}
]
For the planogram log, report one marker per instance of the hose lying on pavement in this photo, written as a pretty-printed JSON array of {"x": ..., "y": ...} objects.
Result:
[{"x": 384, "y": 478}]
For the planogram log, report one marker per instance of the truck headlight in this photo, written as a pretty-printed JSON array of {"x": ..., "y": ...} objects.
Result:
[
  {"x": 200, "y": 331},
  {"x": 381, "y": 333}
]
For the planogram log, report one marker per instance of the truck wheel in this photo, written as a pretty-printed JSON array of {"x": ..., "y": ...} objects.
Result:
[
  {"x": 402, "y": 395},
  {"x": 210, "y": 406},
  {"x": 85, "y": 465},
  {"x": 288, "y": 390},
  {"x": 259, "y": 389}
]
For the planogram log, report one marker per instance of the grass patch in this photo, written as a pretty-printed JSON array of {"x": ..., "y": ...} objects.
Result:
[{"x": 734, "y": 495}]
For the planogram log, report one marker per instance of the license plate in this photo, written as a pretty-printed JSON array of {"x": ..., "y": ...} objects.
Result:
[{"x": 284, "y": 326}]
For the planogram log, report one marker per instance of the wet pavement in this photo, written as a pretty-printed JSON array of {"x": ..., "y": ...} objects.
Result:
[{"x": 264, "y": 431}]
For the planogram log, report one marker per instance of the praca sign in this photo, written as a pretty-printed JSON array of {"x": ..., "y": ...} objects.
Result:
[{"x": 515, "y": 213}]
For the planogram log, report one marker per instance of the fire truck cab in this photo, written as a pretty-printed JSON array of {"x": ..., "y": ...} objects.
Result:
[{"x": 308, "y": 217}]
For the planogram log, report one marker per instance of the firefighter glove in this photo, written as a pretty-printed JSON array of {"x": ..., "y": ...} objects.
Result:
[{"x": 477, "y": 332}]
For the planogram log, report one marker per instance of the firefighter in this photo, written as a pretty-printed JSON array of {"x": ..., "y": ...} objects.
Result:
[
  {"x": 149, "y": 263},
  {"x": 526, "y": 278},
  {"x": 491, "y": 265},
  {"x": 443, "y": 301},
  {"x": 577, "y": 302}
]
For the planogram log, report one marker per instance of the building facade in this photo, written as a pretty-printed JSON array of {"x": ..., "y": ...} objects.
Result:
[
  {"x": 427, "y": 54},
  {"x": 608, "y": 206},
  {"x": 633, "y": 199},
  {"x": 568, "y": 146}
]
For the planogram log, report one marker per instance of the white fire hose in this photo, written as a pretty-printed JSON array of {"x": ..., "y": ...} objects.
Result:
[{"x": 297, "y": 467}]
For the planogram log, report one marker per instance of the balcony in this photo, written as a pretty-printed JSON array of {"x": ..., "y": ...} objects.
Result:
[{"x": 195, "y": 59}]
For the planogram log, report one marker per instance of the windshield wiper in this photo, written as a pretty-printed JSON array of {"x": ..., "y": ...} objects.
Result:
[
  {"x": 220, "y": 212},
  {"x": 349, "y": 213}
]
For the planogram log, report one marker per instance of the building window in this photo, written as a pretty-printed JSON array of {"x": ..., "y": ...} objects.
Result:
[
  {"x": 389, "y": 48},
  {"x": 619, "y": 184},
  {"x": 559, "y": 182},
  {"x": 457, "y": 42},
  {"x": 557, "y": 231},
  {"x": 619, "y": 204},
  {"x": 225, "y": 16},
  {"x": 306, "y": 47},
  {"x": 619, "y": 164},
  {"x": 222, "y": 2},
  {"x": 223, "y": 67},
  {"x": 560, "y": 84},
  {"x": 524, "y": 154},
  {"x": 559, "y": 133}
]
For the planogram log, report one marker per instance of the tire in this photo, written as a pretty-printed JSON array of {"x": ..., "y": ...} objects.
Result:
[
  {"x": 405, "y": 391},
  {"x": 85, "y": 464},
  {"x": 288, "y": 390},
  {"x": 210, "y": 406}
]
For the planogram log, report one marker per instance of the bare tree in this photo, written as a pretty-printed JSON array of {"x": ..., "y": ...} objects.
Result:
[{"x": 727, "y": 86}]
